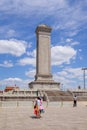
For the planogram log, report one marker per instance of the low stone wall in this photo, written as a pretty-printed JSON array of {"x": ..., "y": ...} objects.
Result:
[
  {"x": 51, "y": 95},
  {"x": 17, "y": 98}
]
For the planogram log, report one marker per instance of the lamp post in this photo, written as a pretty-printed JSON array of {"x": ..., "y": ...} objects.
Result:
[{"x": 84, "y": 75}]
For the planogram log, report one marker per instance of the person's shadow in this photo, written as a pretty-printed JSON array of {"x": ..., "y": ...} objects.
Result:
[{"x": 34, "y": 117}]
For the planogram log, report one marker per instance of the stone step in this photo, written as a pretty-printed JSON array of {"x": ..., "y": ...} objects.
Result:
[{"x": 63, "y": 96}]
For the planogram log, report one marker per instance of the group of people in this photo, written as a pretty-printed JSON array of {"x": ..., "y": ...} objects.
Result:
[{"x": 38, "y": 107}]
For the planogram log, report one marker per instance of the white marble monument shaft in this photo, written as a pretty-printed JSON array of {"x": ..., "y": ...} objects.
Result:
[{"x": 43, "y": 60}]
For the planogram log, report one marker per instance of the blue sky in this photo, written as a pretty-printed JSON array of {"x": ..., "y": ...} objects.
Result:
[{"x": 18, "y": 21}]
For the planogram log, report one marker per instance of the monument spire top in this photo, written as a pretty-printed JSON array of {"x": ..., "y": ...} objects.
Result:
[{"x": 43, "y": 28}]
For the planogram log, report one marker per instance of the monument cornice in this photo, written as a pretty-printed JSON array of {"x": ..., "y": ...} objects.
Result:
[
  {"x": 44, "y": 82},
  {"x": 43, "y": 28}
]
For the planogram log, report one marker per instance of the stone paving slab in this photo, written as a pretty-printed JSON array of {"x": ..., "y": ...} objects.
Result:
[{"x": 55, "y": 117}]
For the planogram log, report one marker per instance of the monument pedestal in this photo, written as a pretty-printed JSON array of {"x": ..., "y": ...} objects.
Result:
[{"x": 44, "y": 85}]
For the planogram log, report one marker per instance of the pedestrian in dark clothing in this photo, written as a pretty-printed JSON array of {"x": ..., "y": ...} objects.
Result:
[{"x": 75, "y": 101}]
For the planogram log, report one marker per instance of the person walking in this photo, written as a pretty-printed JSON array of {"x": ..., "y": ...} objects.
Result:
[
  {"x": 75, "y": 101},
  {"x": 37, "y": 107},
  {"x": 41, "y": 106}
]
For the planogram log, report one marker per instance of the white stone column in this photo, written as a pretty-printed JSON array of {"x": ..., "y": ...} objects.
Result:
[{"x": 43, "y": 56}]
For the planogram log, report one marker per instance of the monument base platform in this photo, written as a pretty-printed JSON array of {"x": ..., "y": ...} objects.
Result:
[{"x": 44, "y": 85}]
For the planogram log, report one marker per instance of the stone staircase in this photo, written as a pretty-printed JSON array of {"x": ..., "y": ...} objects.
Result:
[{"x": 56, "y": 95}]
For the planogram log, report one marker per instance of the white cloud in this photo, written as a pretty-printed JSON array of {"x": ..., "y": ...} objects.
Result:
[
  {"x": 33, "y": 53},
  {"x": 74, "y": 72},
  {"x": 62, "y": 54},
  {"x": 29, "y": 45},
  {"x": 80, "y": 50},
  {"x": 7, "y": 64},
  {"x": 30, "y": 73},
  {"x": 71, "y": 42},
  {"x": 6, "y": 31},
  {"x": 26, "y": 6},
  {"x": 11, "y": 33},
  {"x": 14, "y": 81},
  {"x": 13, "y": 47},
  {"x": 71, "y": 19},
  {"x": 30, "y": 60},
  {"x": 27, "y": 61},
  {"x": 70, "y": 77},
  {"x": 67, "y": 16},
  {"x": 74, "y": 43}
]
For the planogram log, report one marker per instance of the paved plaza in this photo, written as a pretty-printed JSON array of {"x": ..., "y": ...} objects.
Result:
[{"x": 57, "y": 116}]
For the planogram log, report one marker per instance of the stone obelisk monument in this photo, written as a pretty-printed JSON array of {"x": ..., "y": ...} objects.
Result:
[{"x": 43, "y": 77}]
